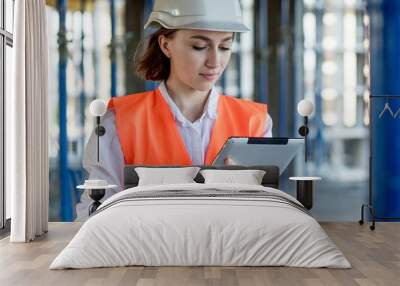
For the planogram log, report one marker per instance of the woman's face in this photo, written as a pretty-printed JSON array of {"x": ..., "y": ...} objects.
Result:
[{"x": 198, "y": 57}]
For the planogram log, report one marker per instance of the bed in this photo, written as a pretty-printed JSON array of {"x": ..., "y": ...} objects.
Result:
[{"x": 201, "y": 224}]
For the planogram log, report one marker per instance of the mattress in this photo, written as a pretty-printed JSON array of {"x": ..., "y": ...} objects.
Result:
[{"x": 201, "y": 225}]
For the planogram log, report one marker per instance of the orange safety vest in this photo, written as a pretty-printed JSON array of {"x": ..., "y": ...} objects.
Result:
[{"x": 148, "y": 133}]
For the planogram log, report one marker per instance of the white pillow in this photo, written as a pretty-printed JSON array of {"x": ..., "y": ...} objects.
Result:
[
  {"x": 162, "y": 176},
  {"x": 249, "y": 177}
]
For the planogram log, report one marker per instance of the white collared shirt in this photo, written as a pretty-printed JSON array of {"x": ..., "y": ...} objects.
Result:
[{"x": 196, "y": 136}]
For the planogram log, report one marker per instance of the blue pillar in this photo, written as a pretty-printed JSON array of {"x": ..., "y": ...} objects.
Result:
[
  {"x": 385, "y": 131},
  {"x": 317, "y": 121},
  {"x": 283, "y": 68},
  {"x": 262, "y": 23},
  {"x": 78, "y": 173},
  {"x": 113, "y": 52},
  {"x": 148, "y": 6},
  {"x": 67, "y": 212},
  {"x": 82, "y": 95}
]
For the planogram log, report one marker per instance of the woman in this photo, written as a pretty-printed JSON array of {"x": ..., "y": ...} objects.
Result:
[{"x": 184, "y": 121}]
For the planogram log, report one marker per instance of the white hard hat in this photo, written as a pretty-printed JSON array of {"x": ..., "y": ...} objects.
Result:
[
  {"x": 305, "y": 107},
  {"x": 212, "y": 15}
]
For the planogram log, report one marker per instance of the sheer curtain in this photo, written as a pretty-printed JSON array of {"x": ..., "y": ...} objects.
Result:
[{"x": 26, "y": 124}]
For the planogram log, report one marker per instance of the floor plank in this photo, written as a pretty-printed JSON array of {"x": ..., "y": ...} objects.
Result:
[{"x": 374, "y": 255}]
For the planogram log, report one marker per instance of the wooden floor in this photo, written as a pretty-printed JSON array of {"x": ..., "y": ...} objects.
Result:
[{"x": 374, "y": 255}]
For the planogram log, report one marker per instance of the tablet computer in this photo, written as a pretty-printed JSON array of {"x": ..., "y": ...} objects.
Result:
[{"x": 251, "y": 151}]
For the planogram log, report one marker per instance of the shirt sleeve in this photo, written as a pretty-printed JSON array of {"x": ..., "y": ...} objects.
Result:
[
  {"x": 111, "y": 162},
  {"x": 268, "y": 126}
]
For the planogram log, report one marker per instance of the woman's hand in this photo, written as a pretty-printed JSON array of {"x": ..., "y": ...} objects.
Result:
[{"x": 229, "y": 161}]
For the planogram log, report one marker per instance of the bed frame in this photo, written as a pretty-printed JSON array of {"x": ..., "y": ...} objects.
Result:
[{"x": 270, "y": 179}]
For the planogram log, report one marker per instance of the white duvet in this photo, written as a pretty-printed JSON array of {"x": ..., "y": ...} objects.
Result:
[{"x": 182, "y": 231}]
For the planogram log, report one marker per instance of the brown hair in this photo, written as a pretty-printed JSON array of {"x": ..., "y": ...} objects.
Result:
[{"x": 153, "y": 64}]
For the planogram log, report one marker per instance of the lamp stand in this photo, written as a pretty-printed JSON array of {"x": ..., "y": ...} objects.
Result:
[
  {"x": 303, "y": 131},
  {"x": 100, "y": 131},
  {"x": 96, "y": 195}
]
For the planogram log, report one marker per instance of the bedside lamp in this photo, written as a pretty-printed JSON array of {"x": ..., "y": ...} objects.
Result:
[
  {"x": 97, "y": 188},
  {"x": 304, "y": 189},
  {"x": 98, "y": 108},
  {"x": 305, "y": 108}
]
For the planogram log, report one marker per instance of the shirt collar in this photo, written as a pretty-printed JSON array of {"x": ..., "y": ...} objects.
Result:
[{"x": 210, "y": 109}]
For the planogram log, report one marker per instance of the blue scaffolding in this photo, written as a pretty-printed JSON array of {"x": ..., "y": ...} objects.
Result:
[{"x": 66, "y": 189}]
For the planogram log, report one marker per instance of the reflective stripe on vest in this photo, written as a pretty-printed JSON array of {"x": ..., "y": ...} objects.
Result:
[{"x": 148, "y": 133}]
